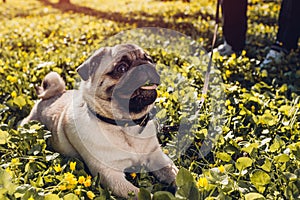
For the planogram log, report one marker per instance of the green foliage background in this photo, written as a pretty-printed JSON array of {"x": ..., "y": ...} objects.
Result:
[{"x": 257, "y": 156}]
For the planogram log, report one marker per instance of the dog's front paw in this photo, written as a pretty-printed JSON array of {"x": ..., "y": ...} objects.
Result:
[
  {"x": 167, "y": 174},
  {"x": 172, "y": 188}
]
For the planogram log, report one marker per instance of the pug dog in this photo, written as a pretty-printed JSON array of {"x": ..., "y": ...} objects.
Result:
[{"x": 106, "y": 122}]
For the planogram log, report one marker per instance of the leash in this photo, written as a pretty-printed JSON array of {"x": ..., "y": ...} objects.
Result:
[
  {"x": 167, "y": 128},
  {"x": 207, "y": 74}
]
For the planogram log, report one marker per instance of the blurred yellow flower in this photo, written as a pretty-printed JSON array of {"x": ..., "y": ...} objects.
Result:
[
  {"x": 81, "y": 179},
  {"x": 72, "y": 165},
  {"x": 14, "y": 161},
  {"x": 244, "y": 52},
  {"x": 62, "y": 187},
  {"x": 228, "y": 73},
  {"x": 18, "y": 64},
  {"x": 133, "y": 175},
  {"x": 202, "y": 182},
  {"x": 227, "y": 102},
  {"x": 77, "y": 192},
  {"x": 88, "y": 181},
  {"x": 70, "y": 178},
  {"x": 31, "y": 198},
  {"x": 24, "y": 69},
  {"x": 12, "y": 79},
  {"x": 57, "y": 168},
  {"x": 166, "y": 151},
  {"x": 90, "y": 195},
  {"x": 221, "y": 168},
  {"x": 13, "y": 94}
]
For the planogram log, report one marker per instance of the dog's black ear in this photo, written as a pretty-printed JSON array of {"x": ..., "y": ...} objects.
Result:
[{"x": 86, "y": 69}]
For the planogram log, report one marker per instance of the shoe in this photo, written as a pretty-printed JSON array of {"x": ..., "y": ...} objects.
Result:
[
  {"x": 224, "y": 49},
  {"x": 274, "y": 56}
]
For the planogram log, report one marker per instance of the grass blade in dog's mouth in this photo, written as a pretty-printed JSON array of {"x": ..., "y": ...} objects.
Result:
[{"x": 149, "y": 87}]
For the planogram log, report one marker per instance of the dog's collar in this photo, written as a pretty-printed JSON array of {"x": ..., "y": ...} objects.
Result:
[{"x": 143, "y": 121}]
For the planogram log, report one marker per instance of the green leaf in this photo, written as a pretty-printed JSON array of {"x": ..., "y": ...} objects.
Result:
[
  {"x": 285, "y": 109},
  {"x": 188, "y": 191},
  {"x": 224, "y": 156},
  {"x": 242, "y": 163},
  {"x": 290, "y": 176},
  {"x": 277, "y": 144},
  {"x": 71, "y": 196},
  {"x": 260, "y": 179},
  {"x": 19, "y": 101},
  {"x": 40, "y": 181},
  {"x": 282, "y": 158},
  {"x": 144, "y": 194},
  {"x": 6, "y": 182},
  {"x": 250, "y": 148},
  {"x": 35, "y": 127},
  {"x": 183, "y": 177},
  {"x": 52, "y": 197},
  {"x": 163, "y": 195},
  {"x": 268, "y": 119},
  {"x": 254, "y": 196},
  {"x": 267, "y": 165},
  {"x": 4, "y": 135}
]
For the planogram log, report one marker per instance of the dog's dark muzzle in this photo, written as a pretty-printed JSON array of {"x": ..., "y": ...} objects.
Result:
[
  {"x": 143, "y": 77},
  {"x": 137, "y": 88}
]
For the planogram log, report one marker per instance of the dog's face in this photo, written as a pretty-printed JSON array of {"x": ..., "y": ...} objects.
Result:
[{"x": 119, "y": 82}]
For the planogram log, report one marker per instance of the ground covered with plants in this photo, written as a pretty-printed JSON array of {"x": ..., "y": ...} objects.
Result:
[{"x": 243, "y": 143}]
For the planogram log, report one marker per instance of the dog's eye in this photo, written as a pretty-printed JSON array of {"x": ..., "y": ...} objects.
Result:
[
  {"x": 45, "y": 85},
  {"x": 122, "y": 68},
  {"x": 148, "y": 58}
]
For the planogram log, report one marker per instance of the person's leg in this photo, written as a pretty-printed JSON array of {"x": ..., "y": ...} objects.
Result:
[
  {"x": 288, "y": 32},
  {"x": 289, "y": 25},
  {"x": 235, "y": 23}
]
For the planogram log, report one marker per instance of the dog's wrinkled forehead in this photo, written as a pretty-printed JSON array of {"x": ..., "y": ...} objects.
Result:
[
  {"x": 130, "y": 51},
  {"x": 104, "y": 59}
]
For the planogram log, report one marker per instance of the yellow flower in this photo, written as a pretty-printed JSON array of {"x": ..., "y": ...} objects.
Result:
[
  {"x": 228, "y": 73},
  {"x": 57, "y": 168},
  {"x": 17, "y": 65},
  {"x": 133, "y": 175},
  {"x": 202, "y": 182},
  {"x": 244, "y": 52},
  {"x": 62, "y": 187},
  {"x": 15, "y": 161},
  {"x": 221, "y": 169},
  {"x": 72, "y": 165},
  {"x": 166, "y": 151},
  {"x": 233, "y": 56},
  {"x": 70, "y": 178},
  {"x": 81, "y": 179},
  {"x": 90, "y": 195},
  {"x": 77, "y": 192},
  {"x": 31, "y": 198},
  {"x": 88, "y": 182},
  {"x": 227, "y": 102},
  {"x": 12, "y": 79},
  {"x": 253, "y": 109},
  {"x": 24, "y": 69},
  {"x": 13, "y": 94}
]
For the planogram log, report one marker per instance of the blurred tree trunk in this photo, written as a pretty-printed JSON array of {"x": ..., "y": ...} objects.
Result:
[{"x": 64, "y": 1}]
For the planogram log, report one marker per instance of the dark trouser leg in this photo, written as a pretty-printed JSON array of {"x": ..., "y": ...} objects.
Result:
[
  {"x": 235, "y": 22},
  {"x": 289, "y": 24}
]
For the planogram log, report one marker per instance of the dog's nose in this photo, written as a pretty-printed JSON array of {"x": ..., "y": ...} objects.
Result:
[{"x": 148, "y": 73}]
